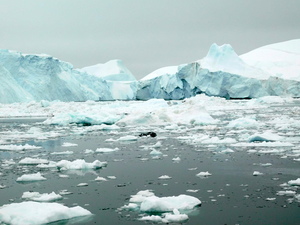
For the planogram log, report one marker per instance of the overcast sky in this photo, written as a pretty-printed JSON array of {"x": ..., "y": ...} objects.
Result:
[{"x": 145, "y": 34}]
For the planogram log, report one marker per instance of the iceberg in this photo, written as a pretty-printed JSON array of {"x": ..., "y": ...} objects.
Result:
[
  {"x": 225, "y": 74},
  {"x": 35, "y": 213},
  {"x": 26, "y": 77},
  {"x": 121, "y": 82},
  {"x": 36, "y": 196},
  {"x": 165, "y": 209},
  {"x": 271, "y": 70},
  {"x": 79, "y": 164}
]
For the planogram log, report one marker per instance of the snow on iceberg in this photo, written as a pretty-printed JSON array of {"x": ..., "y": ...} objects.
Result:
[
  {"x": 79, "y": 164},
  {"x": 36, "y": 196},
  {"x": 35, "y": 213},
  {"x": 121, "y": 82},
  {"x": 281, "y": 60},
  {"x": 31, "y": 177},
  {"x": 113, "y": 70},
  {"x": 222, "y": 73}
]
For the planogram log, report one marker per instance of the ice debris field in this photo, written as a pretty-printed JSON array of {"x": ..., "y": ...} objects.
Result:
[{"x": 188, "y": 153}]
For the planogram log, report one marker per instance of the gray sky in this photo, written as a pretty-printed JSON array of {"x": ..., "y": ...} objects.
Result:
[{"x": 145, "y": 34}]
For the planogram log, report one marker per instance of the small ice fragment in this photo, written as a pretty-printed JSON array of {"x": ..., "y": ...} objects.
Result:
[
  {"x": 68, "y": 144},
  {"x": 203, "y": 174},
  {"x": 257, "y": 173},
  {"x": 100, "y": 179},
  {"x": 164, "y": 177},
  {"x": 82, "y": 184}
]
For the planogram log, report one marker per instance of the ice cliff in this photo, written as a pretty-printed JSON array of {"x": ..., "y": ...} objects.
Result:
[
  {"x": 269, "y": 70},
  {"x": 223, "y": 73},
  {"x": 40, "y": 77}
]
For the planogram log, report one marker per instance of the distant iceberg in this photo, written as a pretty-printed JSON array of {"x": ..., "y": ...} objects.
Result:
[
  {"x": 121, "y": 82},
  {"x": 223, "y": 73},
  {"x": 27, "y": 78},
  {"x": 272, "y": 70}
]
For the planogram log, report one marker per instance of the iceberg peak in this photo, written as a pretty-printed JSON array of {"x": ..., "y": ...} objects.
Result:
[
  {"x": 221, "y": 58},
  {"x": 113, "y": 70}
]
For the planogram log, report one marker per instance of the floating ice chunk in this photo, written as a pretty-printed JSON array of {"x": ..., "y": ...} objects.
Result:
[
  {"x": 257, "y": 173},
  {"x": 82, "y": 185},
  {"x": 203, "y": 174},
  {"x": 130, "y": 206},
  {"x": 243, "y": 123},
  {"x": 266, "y": 136},
  {"x": 112, "y": 177},
  {"x": 168, "y": 204},
  {"x": 164, "y": 177},
  {"x": 62, "y": 153},
  {"x": 51, "y": 164},
  {"x": 166, "y": 218},
  {"x": 19, "y": 147},
  {"x": 227, "y": 150},
  {"x": 128, "y": 138},
  {"x": 263, "y": 144},
  {"x": 33, "y": 161},
  {"x": 270, "y": 199},
  {"x": 265, "y": 164},
  {"x": 294, "y": 182},
  {"x": 36, "y": 196},
  {"x": 192, "y": 190},
  {"x": 68, "y": 144},
  {"x": 79, "y": 164},
  {"x": 85, "y": 118},
  {"x": 65, "y": 192},
  {"x": 287, "y": 193},
  {"x": 141, "y": 196},
  {"x": 100, "y": 179},
  {"x": 176, "y": 159},
  {"x": 155, "y": 152},
  {"x": 88, "y": 151},
  {"x": 106, "y": 150},
  {"x": 36, "y": 213},
  {"x": 63, "y": 175},
  {"x": 31, "y": 177}
]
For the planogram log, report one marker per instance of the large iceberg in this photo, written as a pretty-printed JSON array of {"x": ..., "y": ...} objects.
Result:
[
  {"x": 223, "y": 73},
  {"x": 121, "y": 82},
  {"x": 41, "y": 77},
  {"x": 269, "y": 70}
]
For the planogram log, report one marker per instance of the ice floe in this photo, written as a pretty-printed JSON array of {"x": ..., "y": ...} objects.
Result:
[
  {"x": 31, "y": 177},
  {"x": 162, "y": 209},
  {"x": 79, "y": 164},
  {"x": 36, "y": 213},
  {"x": 36, "y": 196}
]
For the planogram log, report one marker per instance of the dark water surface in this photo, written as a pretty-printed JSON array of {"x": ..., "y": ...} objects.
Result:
[{"x": 232, "y": 195}]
